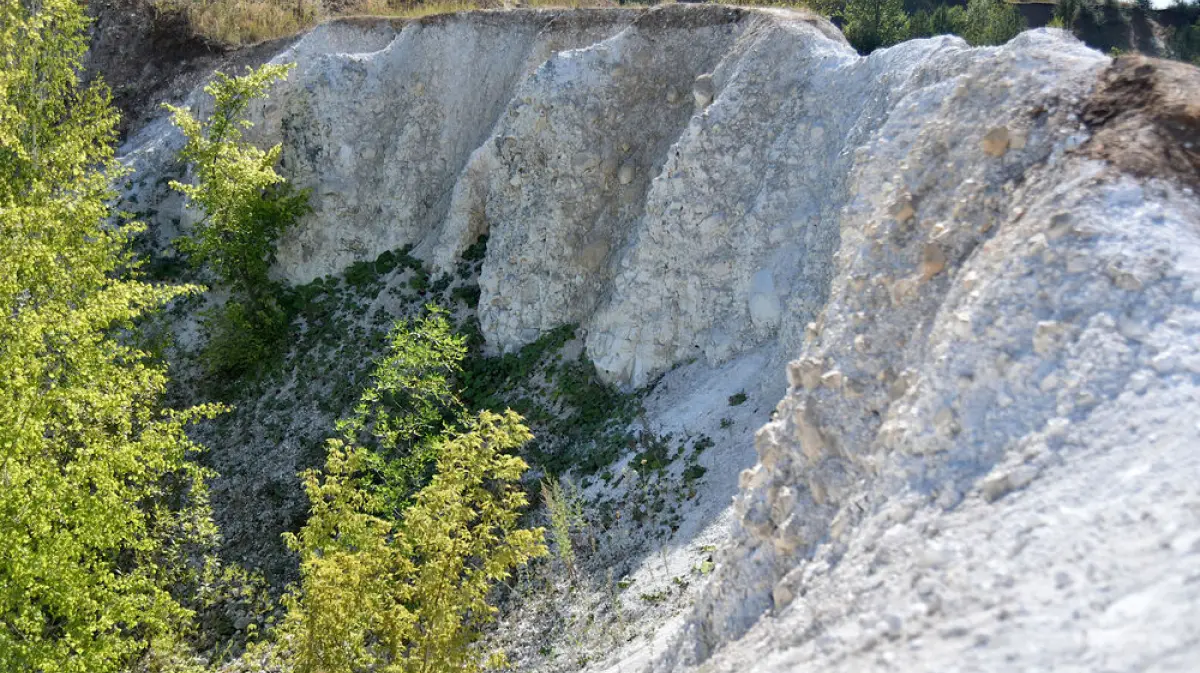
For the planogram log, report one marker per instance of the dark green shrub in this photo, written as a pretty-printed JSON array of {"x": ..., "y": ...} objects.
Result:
[
  {"x": 242, "y": 338},
  {"x": 477, "y": 251},
  {"x": 467, "y": 294}
]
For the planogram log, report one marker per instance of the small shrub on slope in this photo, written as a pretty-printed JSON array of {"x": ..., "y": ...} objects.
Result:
[
  {"x": 412, "y": 521},
  {"x": 409, "y": 406},
  {"x": 564, "y": 505}
]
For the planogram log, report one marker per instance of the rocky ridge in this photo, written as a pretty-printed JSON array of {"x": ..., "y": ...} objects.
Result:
[{"x": 985, "y": 283}]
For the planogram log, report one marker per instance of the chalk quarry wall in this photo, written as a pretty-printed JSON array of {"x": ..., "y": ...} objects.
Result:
[{"x": 983, "y": 266}]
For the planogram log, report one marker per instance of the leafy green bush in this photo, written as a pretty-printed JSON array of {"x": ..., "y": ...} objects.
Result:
[
  {"x": 485, "y": 380},
  {"x": 467, "y": 294},
  {"x": 584, "y": 415},
  {"x": 693, "y": 473},
  {"x": 412, "y": 393},
  {"x": 413, "y": 519},
  {"x": 410, "y": 404},
  {"x": 420, "y": 280},
  {"x": 477, "y": 250},
  {"x": 655, "y": 454},
  {"x": 240, "y": 337}
]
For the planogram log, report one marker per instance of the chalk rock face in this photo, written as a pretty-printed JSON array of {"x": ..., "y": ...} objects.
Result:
[
  {"x": 980, "y": 266},
  {"x": 669, "y": 229},
  {"x": 1007, "y": 313},
  {"x": 740, "y": 228},
  {"x": 573, "y": 158},
  {"x": 382, "y": 137}
]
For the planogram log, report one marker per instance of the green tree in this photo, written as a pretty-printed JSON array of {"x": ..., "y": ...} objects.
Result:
[
  {"x": 410, "y": 404},
  {"x": 871, "y": 24},
  {"x": 91, "y": 467},
  {"x": 410, "y": 596},
  {"x": 247, "y": 206},
  {"x": 943, "y": 20},
  {"x": 412, "y": 520},
  {"x": 919, "y": 25},
  {"x": 991, "y": 22}
]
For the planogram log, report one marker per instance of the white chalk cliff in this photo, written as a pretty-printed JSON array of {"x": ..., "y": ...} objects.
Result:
[{"x": 979, "y": 269}]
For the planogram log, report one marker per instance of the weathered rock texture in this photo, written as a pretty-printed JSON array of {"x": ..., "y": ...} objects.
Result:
[
  {"x": 982, "y": 264},
  {"x": 1004, "y": 311}
]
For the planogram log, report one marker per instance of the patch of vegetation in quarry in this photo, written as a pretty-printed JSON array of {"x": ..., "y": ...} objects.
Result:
[
  {"x": 338, "y": 328},
  {"x": 583, "y": 421},
  {"x": 282, "y": 412}
]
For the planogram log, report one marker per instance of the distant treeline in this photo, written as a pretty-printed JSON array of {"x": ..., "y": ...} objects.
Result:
[{"x": 1107, "y": 25}]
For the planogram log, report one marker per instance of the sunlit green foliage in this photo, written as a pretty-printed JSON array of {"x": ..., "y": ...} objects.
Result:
[
  {"x": 91, "y": 469},
  {"x": 412, "y": 521},
  {"x": 408, "y": 407},
  {"x": 410, "y": 595},
  {"x": 246, "y": 206},
  {"x": 234, "y": 185},
  {"x": 412, "y": 395}
]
